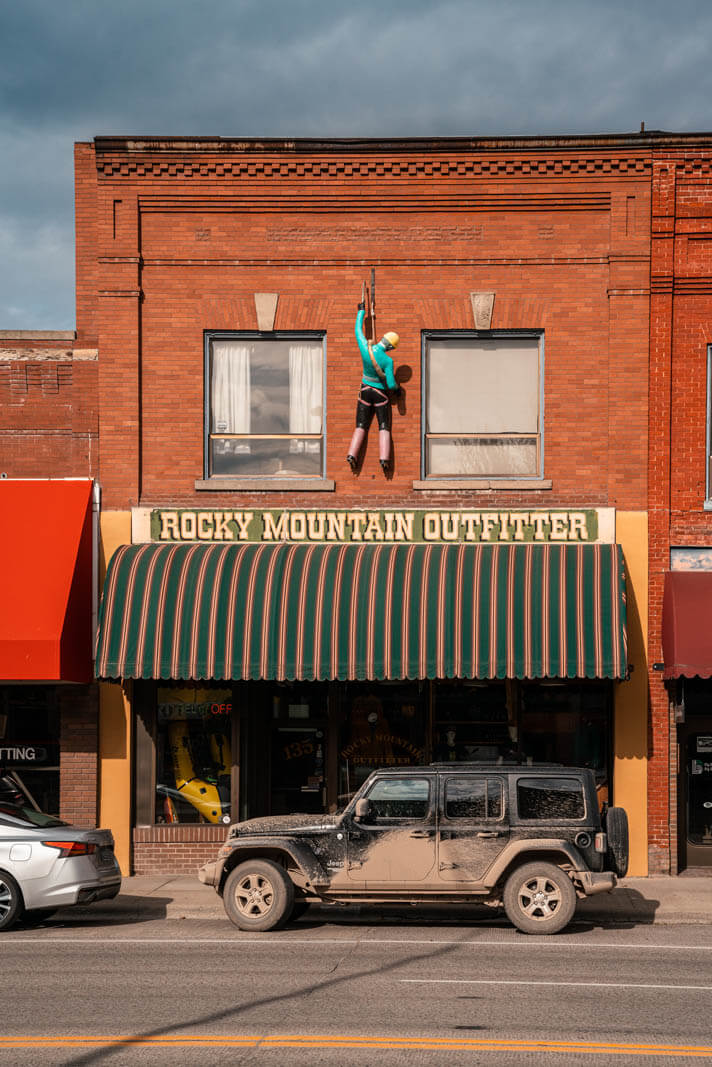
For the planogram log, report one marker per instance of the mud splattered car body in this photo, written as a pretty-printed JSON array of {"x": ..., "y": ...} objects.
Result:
[{"x": 531, "y": 838}]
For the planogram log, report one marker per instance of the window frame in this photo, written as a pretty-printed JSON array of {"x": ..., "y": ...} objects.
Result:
[
  {"x": 481, "y": 335},
  {"x": 538, "y": 820},
  {"x": 402, "y": 820},
  {"x": 265, "y": 335},
  {"x": 487, "y": 779}
]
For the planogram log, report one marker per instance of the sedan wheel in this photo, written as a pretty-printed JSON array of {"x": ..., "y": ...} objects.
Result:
[
  {"x": 539, "y": 898},
  {"x": 258, "y": 895},
  {"x": 10, "y": 901}
]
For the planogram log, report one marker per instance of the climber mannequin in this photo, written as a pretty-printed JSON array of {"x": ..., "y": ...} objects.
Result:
[{"x": 373, "y": 396}]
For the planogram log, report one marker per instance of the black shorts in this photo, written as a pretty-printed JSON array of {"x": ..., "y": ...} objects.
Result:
[{"x": 370, "y": 399}]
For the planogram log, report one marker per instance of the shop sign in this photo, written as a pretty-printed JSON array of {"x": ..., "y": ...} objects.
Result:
[
  {"x": 555, "y": 525},
  {"x": 383, "y": 749},
  {"x": 28, "y": 753}
]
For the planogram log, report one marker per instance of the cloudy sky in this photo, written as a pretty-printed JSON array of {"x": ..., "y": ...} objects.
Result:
[{"x": 73, "y": 69}]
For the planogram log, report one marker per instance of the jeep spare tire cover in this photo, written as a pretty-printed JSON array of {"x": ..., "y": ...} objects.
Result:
[{"x": 617, "y": 833}]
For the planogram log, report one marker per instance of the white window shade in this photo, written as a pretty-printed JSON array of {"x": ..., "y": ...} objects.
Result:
[
  {"x": 230, "y": 388},
  {"x": 463, "y": 457},
  {"x": 483, "y": 387},
  {"x": 305, "y": 388}
]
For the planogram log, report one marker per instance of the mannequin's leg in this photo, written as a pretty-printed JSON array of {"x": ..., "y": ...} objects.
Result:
[
  {"x": 359, "y": 436},
  {"x": 384, "y": 448}
]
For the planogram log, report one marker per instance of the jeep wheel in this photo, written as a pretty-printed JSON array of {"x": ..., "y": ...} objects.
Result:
[
  {"x": 617, "y": 834},
  {"x": 539, "y": 898},
  {"x": 258, "y": 895}
]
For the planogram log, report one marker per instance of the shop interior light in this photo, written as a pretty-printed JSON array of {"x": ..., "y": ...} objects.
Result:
[{"x": 72, "y": 848}]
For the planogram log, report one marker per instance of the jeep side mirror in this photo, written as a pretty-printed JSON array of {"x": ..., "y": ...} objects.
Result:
[{"x": 363, "y": 809}]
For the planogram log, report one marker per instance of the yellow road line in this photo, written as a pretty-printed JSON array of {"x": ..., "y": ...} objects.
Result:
[{"x": 355, "y": 1041}]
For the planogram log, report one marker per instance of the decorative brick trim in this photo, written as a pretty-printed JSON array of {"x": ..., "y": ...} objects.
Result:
[{"x": 121, "y": 167}]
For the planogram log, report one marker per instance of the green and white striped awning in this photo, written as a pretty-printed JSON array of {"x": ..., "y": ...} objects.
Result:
[{"x": 369, "y": 611}]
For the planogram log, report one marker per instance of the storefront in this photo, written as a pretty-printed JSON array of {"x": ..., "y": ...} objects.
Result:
[
  {"x": 687, "y": 650},
  {"x": 271, "y": 674},
  {"x": 48, "y": 709}
]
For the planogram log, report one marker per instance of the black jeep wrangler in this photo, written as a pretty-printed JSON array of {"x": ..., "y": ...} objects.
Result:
[{"x": 529, "y": 837}]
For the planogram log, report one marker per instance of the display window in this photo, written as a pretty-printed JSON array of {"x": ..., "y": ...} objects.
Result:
[
  {"x": 29, "y": 741},
  {"x": 569, "y": 723},
  {"x": 383, "y": 725},
  {"x": 193, "y": 754},
  {"x": 473, "y": 720},
  {"x": 215, "y": 753}
]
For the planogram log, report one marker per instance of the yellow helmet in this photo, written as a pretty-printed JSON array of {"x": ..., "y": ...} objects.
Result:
[{"x": 391, "y": 338}]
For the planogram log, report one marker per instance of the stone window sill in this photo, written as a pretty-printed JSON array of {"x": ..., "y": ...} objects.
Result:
[
  {"x": 265, "y": 485},
  {"x": 484, "y": 483}
]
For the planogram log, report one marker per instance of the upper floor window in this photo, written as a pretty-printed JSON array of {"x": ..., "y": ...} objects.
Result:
[
  {"x": 264, "y": 405},
  {"x": 483, "y": 405}
]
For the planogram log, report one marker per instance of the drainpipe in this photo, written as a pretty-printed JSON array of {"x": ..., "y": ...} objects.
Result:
[{"x": 95, "y": 509}]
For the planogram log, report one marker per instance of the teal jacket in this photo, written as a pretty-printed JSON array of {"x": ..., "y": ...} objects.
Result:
[{"x": 384, "y": 361}]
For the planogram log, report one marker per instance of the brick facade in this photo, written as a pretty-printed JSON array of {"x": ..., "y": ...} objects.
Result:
[
  {"x": 174, "y": 849},
  {"x": 49, "y": 428},
  {"x": 176, "y": 238},
  {"x": 78, "y": 754},
  {"x": 48, "y": 406},
  {"x": 186, "y": 234},
  {"x": 680, "y": 331},
  {"x": 602, "y": 243}
]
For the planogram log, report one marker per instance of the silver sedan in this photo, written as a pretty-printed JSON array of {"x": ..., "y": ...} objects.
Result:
[{"x": 46, "y": 863}]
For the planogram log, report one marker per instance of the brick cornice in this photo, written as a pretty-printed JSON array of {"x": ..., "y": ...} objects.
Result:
[{"x": 118, "y": 166}]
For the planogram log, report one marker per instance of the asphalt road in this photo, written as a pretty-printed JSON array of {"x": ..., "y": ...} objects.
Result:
[{"x": 353, "y": 993}]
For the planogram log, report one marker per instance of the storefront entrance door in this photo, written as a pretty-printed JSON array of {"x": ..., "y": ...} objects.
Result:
[
  {"x": 696, "y": 745},
  {"x": 298, "y": 769}
]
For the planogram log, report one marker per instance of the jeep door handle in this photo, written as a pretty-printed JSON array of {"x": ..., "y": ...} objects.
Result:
[
  {"x": 489, "y": 833},
  {"x": 422, "y": 833}
]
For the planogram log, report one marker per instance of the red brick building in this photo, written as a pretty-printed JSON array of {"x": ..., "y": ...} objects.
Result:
[
  {"x": 680, "y": 535},
  {"x": 48, "y": 459},
  {"x": 550, "y": 298},
  {"x": 219, "y": 280}
]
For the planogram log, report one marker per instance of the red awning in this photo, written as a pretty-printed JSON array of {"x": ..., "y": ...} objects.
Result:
[
  {"x": 687, "y": 624},
  {"x": 46, "y": 580}
]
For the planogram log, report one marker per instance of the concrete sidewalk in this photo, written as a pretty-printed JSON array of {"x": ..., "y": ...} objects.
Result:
[{"x": 664, "y": 900}]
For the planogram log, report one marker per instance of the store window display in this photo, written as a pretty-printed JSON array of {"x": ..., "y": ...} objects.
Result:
[
  {"x": 473, "y": 721},
  {"x": 569, "y": 723},
  {"x": 193, "y": 755},
  {"x": 382, "y": 728},
  {"x": 29, "y": 740}
]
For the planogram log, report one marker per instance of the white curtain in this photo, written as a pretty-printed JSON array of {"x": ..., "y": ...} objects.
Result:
[
  {"x": 305, "y": 388},
  {"x": 230, "y": 388}
]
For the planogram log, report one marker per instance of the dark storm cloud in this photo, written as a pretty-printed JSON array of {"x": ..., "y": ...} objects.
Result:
[{"x": 76, "y": 68}]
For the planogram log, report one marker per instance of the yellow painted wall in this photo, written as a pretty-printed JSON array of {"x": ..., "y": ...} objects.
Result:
[
  {"x": 115, "y": 719},
  {"x": 630, "y": 765}
]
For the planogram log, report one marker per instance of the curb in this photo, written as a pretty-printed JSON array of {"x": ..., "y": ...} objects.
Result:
[{"x": 588, "y": 911}]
